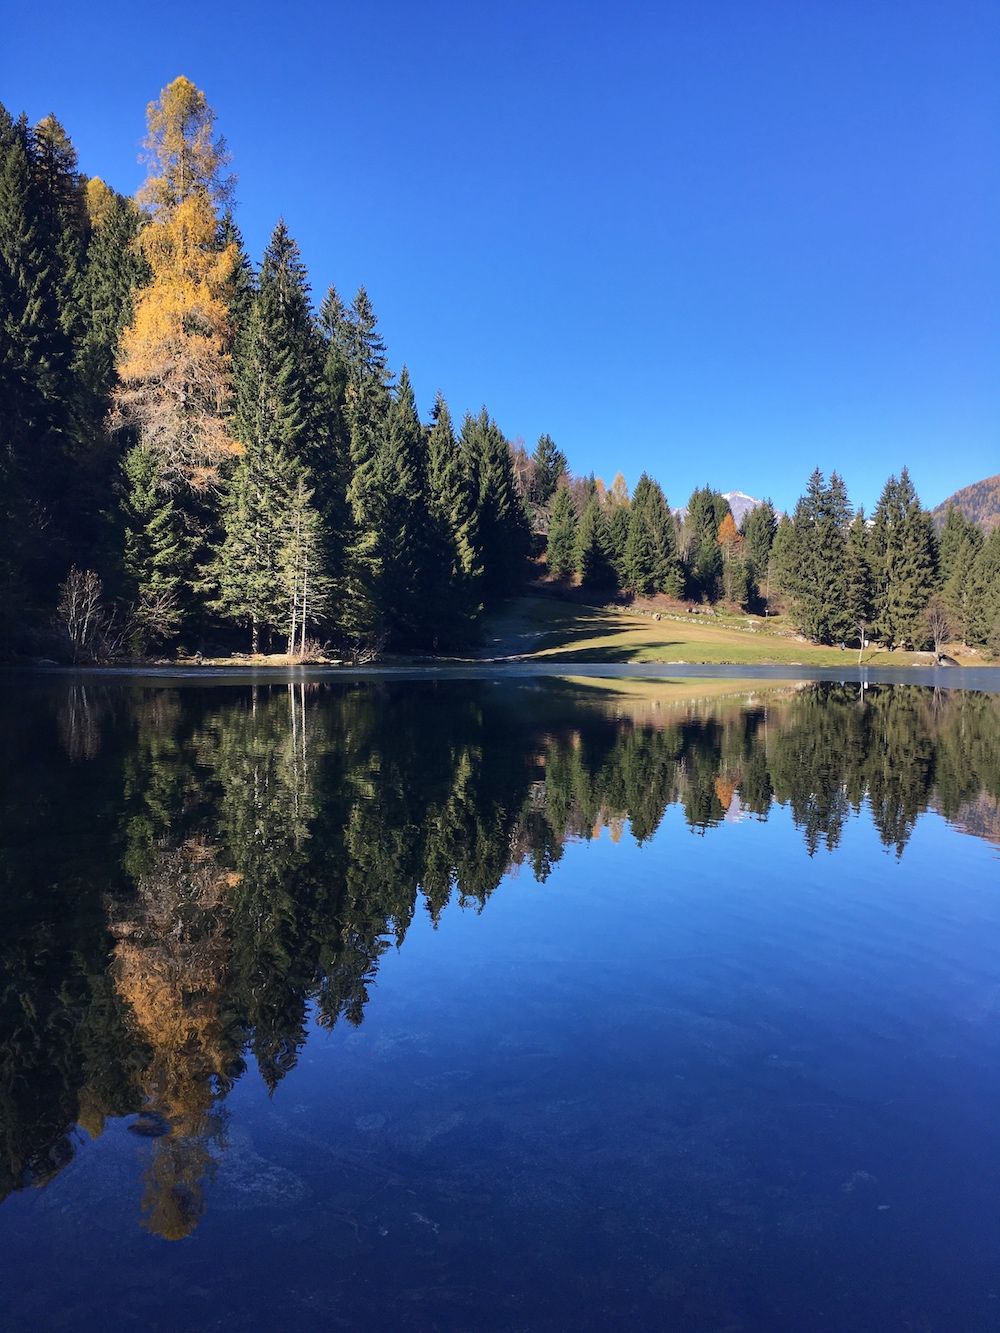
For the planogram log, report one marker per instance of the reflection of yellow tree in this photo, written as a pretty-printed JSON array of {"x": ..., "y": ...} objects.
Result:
[{"x": 170, "y": 966}]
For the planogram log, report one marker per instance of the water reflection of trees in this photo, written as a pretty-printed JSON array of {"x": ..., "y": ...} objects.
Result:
[{"x": 187, "y": 874}]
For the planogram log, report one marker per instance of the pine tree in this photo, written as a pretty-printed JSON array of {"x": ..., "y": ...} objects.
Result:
[
  {"x": 903, "y": 561},
  {"x": 959, "y": 592},
  {"x": 406, "y": 549},
  {"x": 735, "y": 582},
  {"x": 36, "y": 424},
  {"x": 813, "y": 560},
  {"x": 367, "y": 402},
  {"x": 503, "y": 526},
  {"x": 266, "y": 571},
  {"x": 759, "y": 528},
  {"x": 984, "y": 618},
  {"x": 652, "y": 563},
  {"x": 562, "y": 534},
  {"x": 156, "y": 558},
  {"x": 548, "y": 464},
  {"x": 593, "y": 553},
  {"x": 858, "y": 583},
  {"x": 455, "y": 601},
  {"x": 705, "y": 512},
  {"x": 114, "y": 270}
]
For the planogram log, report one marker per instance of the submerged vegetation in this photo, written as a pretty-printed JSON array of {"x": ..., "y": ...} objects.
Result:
[{"x": 194, "y": 456}]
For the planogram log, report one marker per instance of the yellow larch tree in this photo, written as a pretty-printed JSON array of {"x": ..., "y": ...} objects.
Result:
[{"x": 174, "y": 364}]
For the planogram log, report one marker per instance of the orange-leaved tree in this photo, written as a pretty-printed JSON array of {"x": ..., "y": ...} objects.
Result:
[{"x": 173, "y": 363}]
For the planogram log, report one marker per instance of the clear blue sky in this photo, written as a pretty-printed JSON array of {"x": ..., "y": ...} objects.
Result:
[{"x": 723, "y": 241}]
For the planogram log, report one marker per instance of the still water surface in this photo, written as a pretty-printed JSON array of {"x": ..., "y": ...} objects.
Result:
[{"x": 513, "y": 1004}]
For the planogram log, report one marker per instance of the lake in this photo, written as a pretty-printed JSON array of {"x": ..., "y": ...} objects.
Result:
[{"x": 517, "y": 1002}]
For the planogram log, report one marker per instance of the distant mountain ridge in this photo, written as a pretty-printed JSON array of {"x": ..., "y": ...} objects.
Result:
[
  {"x": 739, "y": 502},
  {"x": 980, "y": 502}
]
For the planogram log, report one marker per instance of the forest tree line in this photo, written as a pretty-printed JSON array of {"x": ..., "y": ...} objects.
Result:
[{"x": 193, "y": 453}]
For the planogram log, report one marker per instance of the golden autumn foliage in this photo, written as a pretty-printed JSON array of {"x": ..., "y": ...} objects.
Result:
[
  {"x": 98, "y": 198},
  {"x": 729, "y": 536},
  {"x": 170, "y": 968},
  {"x": 174, "y": 363}
]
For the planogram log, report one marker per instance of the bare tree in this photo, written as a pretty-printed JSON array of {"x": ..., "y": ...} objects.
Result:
[
  {"x": 937, "y": 622},
  {"x": 80, "y": 612}
]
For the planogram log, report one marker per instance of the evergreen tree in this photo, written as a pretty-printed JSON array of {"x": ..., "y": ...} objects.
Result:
[
  {"x": 157, "y": 557},
  {"x": 503, "y": 526},
  {"x": 114, "y": 269},
  {"x": 858, "y": 583},
  {"x": 455, "y": 600},
  {"x": 960, "y": 591},
  {"x": 903, "y": 562},
  {"x": 35, "y": 353},
  {"x": 984, "y": 618},
  {"x": 593, "y": 553},
  {"x": 249, "y": 570},
  {"x": 735, "y": 581},
  {"x": 813, "y": 560},
  {"x": 651, "y": 560},
  {"x": 367, "y": 402},
  {"x": 758, "y": 528},
  {"x": 407, "y": 551},
  {"x": 705, "y": 512},
  {"x": 548, "y": 464},
  {"x": 562, "y": 534}
]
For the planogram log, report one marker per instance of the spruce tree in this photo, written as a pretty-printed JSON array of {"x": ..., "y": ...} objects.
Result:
[
  {"x": 652, "y": 563},
  {"x": 455, "y": 598},
  {"x": 593, "y": 553},
  {"x": 705, "y": 512},
  {"x": 503, "y": 525},
  {"x": 904, "y": 563},
  {"x": 984, "y": 619},
  {"x": 562, "y": 534},
  {"x": 758, "y": 529},
  {"x": 409, "y": 560},
  {"x": 156, "y": 557},
  {"x": 960, "y": 591},
  {"x": 367, "y": 402},
  {"x": 858, "y": 582},
  {"x": 35, "y": 355},
  {"x": 548, "y": 464}
]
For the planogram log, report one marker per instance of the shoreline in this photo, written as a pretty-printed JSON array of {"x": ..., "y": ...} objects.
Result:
[{"x": 982, "y": 678}]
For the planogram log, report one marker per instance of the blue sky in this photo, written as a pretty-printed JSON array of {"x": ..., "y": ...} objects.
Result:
[{"x": 724, "y": 241}]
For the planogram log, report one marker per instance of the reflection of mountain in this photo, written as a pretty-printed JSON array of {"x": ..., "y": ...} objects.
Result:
[
  {"x": 979, "y": 817},
  {"x": 187, "y": 874}
]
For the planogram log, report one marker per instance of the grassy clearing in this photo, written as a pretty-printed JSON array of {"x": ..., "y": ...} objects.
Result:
[{"x": 544, "y": 629}]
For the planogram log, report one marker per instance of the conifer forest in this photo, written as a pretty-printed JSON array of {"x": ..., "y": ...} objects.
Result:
[{"x": 197, "y": 454}]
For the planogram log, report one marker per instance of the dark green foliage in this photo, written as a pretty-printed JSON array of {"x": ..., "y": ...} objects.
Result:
[
  {"x": 157, "y": 556},
  {"x": 812, "y": 561},
  {"x": 859, "y": 584},
  {"x": 904, "y": 563},
  {"x": 652, "y": 564},
  {"x": 409, "y": 556},
  {"x": 593, "y": 547},
  {"x": 984, "y": 609},
  {"x": 456, "y": 570},
  {"x": 548, "y": 464},
  {"x": 758, "y": 529},
  {"x": 705, "y": 512},
  {"x": 561, "y": 550},
  {"x": 503, "y": 526}
]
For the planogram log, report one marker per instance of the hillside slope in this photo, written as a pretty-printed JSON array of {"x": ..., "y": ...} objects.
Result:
[{"x": 980, "y": 502}]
